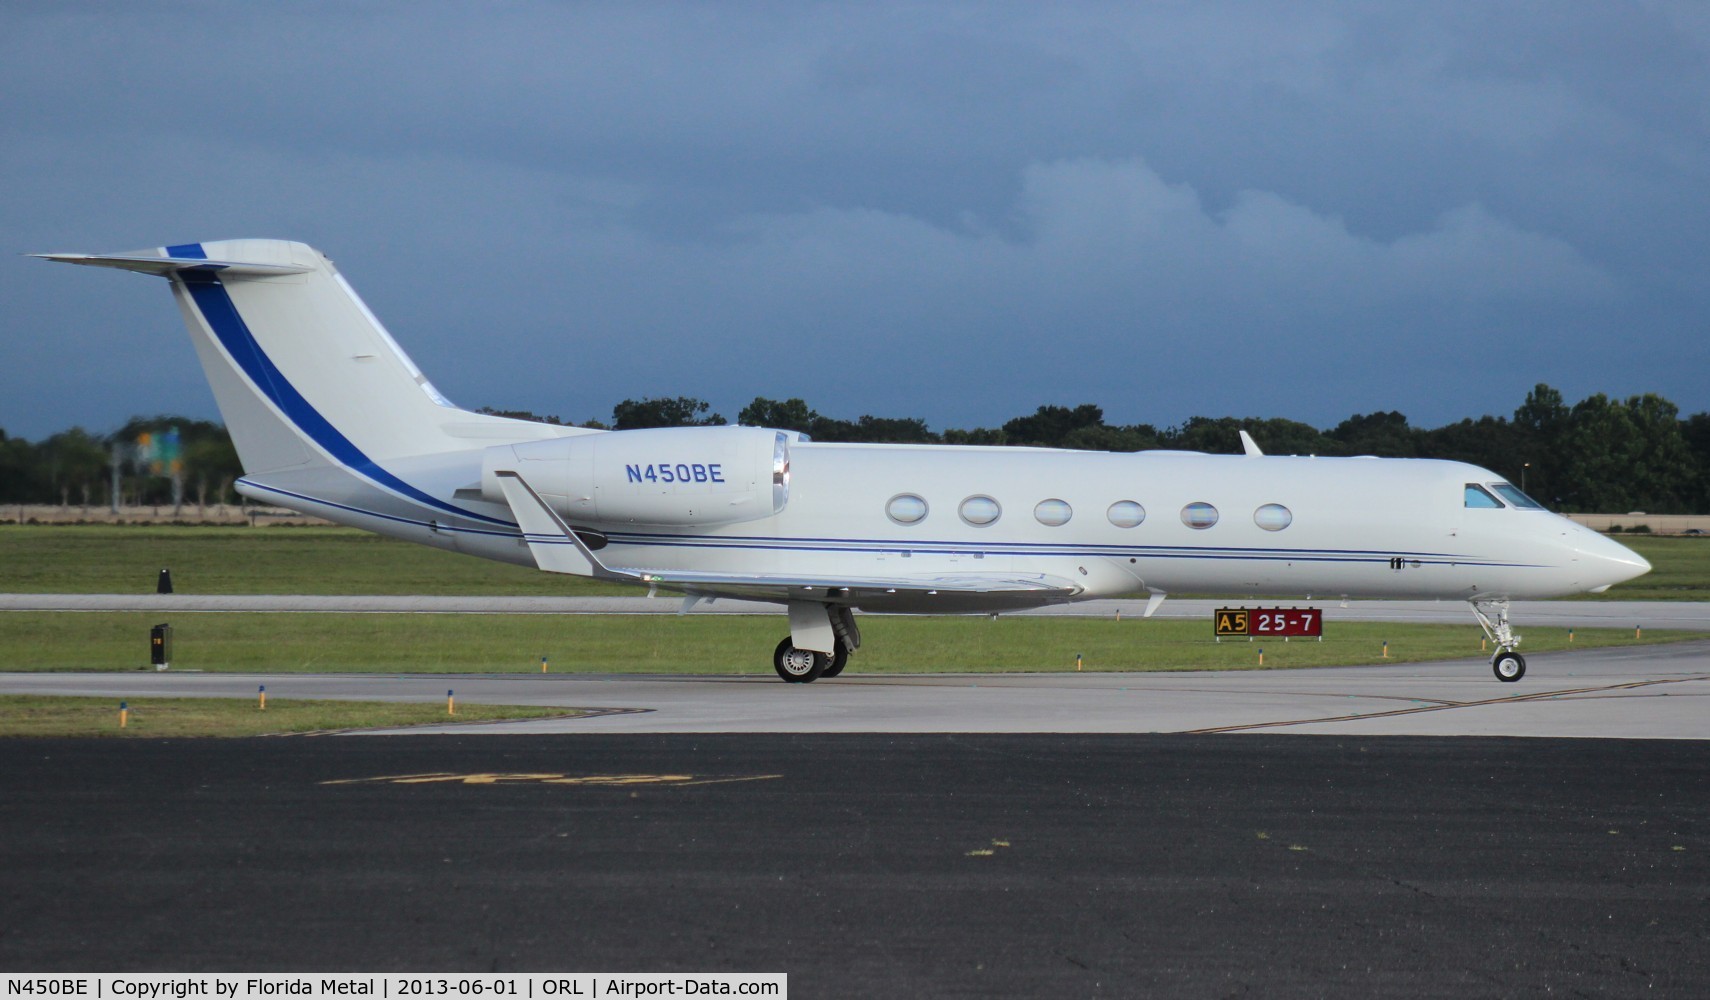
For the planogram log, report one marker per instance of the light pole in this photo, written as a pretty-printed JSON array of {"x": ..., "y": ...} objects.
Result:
[{"x": 1523, "y": 467}]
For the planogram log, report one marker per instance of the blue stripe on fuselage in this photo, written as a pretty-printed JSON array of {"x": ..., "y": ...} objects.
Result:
[{"x": 217, "y": 308}]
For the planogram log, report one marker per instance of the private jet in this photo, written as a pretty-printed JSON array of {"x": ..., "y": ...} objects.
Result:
[{"x": 330, "y": 417}]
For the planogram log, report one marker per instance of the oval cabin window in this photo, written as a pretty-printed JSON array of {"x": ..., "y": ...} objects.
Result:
[
  {"x": 906, "y": 508},
  {"x": 1126, "y": 513},
  {"x": 1053, "y": 512},
  {"x": 1273, "y": 517},
  {"x": 980, "y": 511},
  {"x": 1199, "y": 516}
]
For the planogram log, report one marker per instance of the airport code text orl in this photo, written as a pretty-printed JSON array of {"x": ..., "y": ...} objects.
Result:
[{"x": 277, "y": 986}]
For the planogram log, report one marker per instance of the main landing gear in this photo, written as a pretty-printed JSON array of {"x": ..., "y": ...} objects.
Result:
[
  {"x": 1508, "y": 665},
  {"x": 800, "y": 666},
  {"x": 819, "y": 622}
]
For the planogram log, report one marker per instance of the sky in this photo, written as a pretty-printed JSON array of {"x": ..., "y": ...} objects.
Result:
[{"x": 952, "y": 212}]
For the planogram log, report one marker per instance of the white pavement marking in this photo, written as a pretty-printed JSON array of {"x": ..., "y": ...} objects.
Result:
[{"x": 1652, "y": 692}]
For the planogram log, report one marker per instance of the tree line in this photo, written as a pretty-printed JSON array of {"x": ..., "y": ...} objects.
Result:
[{"x": 1599, "y": 455}]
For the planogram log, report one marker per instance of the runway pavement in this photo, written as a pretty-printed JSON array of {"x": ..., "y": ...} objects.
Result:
[
  {"x": 1638, "y": 692},
  {"x": 881, "y": 865},
  {"x": 1204, "y": 834}
]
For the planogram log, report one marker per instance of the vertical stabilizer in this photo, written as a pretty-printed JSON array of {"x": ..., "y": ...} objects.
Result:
[{"x": 304, "y": 374}]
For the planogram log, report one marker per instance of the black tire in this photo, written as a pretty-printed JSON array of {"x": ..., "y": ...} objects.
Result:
[
  {"x": 1508, "y": 666},
  {"x": 798, "y": 666},
  {"x": 839, "y": 660}
]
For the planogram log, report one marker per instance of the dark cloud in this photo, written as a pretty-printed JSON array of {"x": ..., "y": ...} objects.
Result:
[{"x": 950, "y": 212}]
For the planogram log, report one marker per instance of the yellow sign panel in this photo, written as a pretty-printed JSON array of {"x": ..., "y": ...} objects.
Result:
[{"x": 1230, "y": 621}]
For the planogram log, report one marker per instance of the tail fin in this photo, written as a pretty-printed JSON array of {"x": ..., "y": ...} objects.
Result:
[{"x": 304, "y": 374}]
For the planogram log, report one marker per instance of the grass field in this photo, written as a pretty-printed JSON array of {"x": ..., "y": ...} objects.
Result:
[
  {"x": 709, "y": 644},
  {"x": 25, "y": 715},
  {"x": 1680, "y": 570},
  {"x": 121, "y": 559},
  {"x": 127, "y": 559}
]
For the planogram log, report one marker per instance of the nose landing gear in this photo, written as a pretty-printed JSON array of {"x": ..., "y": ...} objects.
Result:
[{"x": 1508, "y": 665}]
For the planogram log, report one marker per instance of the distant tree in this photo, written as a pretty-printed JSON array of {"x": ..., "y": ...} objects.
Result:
[
  {"x": 18, "y": 470},
  {"x": 1663, "y": 468},
  {"x": 1277, "y": 436},
  {"x": 1543, "y": 412},
  {"x": 1104, "y": 437},
  {"x": 1540, "y": 426},
  {"x": 893, "y": 430},
  {"x": 1216, "y": 435},
  {"x": 211, "y": 463},
  {"x": 1626, "y": 455},
  {"x": 681, "y": 411},
  {"x": 1386, "y": 435},
  {"x": 205, "y": 450},
  {"x": 1696, "y": 432},
  {"x": 1050, "y": 426},
  {"x": 73, "y": 462},
  {"x": 526, "y": 415},
  {"x": 1599, "y": 455},
  {"x": 1491, "y": 442},
  {"x": 789, "y": 415},
  {"x": 987, "y": 436}
]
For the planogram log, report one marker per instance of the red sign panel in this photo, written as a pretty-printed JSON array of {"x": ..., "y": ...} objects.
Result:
[{"x": 1284, "y": 623}]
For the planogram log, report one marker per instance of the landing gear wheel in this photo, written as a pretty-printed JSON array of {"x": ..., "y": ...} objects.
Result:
[
  {"x": 839, "y": 660},
  {"x": 1508, "y": 666},
  {"x": 798, "y": 666}
]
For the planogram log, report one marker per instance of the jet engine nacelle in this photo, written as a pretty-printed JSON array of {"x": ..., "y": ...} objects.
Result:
[{"x": 664, "y": 475}]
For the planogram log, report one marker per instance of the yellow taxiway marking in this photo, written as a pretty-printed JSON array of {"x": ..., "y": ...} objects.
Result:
[{"x": 549, "y": 778}]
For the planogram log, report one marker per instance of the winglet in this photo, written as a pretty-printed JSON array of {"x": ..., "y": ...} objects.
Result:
[
  {"x": 555, "y": 547},
  {"x": 1249, "y": 446}
]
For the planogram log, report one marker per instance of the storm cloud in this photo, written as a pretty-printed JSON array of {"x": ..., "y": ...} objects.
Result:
[{"x": 952, "y": 212}]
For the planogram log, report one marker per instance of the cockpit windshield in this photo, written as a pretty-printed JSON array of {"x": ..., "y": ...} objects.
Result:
[
  {"x": 1516, "y": 498},
  {"x": 1478, "y": 496}
]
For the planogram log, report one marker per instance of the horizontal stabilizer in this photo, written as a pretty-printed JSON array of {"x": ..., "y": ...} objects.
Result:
[{"x": 154, "y": 264}]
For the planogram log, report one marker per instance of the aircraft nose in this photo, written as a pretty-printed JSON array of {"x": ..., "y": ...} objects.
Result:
[{"x": 1607, "y": 562}]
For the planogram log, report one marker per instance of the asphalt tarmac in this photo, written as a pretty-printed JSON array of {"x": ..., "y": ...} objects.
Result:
[
  {"x": 877, "y": 865},
  {"x": 1634, "y": 692}
]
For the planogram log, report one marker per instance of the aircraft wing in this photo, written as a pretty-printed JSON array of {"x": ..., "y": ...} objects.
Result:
[
  {"x": 557, "y": 549},
  {"x": 1028, "y": 588}
]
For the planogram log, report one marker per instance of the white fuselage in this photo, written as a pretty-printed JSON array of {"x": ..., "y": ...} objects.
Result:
[{"x": 1360, "y": 527}]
